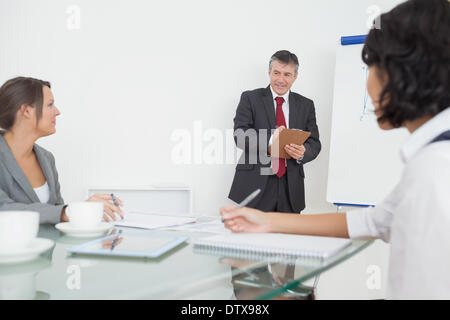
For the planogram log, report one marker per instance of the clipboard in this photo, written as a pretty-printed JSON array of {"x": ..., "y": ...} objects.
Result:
[{"x": 288, "y": 136}]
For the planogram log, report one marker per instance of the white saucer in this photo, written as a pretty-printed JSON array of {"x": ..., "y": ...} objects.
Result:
[
  {"x": 67, "y": 228},
  {"x": 37, "y": 246}
]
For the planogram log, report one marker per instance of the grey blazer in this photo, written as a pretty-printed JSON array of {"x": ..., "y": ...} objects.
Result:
[{"x": 16, "y": 192}]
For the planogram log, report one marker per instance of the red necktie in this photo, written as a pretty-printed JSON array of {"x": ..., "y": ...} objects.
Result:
[{"x": 280, "y": 122}]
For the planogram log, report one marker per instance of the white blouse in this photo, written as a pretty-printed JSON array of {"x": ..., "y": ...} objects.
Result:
[
  {"x": 415, "y": 217},
  {"x": 43, "y": 193}
]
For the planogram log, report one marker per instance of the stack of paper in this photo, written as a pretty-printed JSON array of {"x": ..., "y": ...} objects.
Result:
[{"x": 152, "y": 221}]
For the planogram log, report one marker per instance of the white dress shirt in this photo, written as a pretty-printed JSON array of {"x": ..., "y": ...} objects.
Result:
[
  {"x": 285, "y": 108},
  {"x": 415, "y": 217},
  {"x": 43, "y": 193},
  {"x": 285, "y": 105}
]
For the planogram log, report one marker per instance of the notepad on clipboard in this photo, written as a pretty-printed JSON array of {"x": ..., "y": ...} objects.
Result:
[
  {"x": 288, "y": 136},
  {"x": 276, "y": 244}
]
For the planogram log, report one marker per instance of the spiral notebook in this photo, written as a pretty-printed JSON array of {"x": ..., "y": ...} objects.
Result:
[{"x": 275, "y": 244}]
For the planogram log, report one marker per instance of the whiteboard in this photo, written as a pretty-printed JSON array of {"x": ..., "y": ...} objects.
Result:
[{"x": 365, "y": 161}]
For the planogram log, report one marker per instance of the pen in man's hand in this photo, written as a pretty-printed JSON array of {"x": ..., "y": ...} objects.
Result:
[
  {"x": 247, "y": 200},
  {"x": 114, "y": 199}
]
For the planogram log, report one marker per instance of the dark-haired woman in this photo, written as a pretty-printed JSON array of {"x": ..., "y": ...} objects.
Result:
[
  {"x": 28, "y": 176},
  {"x": 409, "y": 63}
]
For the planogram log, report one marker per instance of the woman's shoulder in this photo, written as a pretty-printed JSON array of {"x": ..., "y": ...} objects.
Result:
[{"x": 432, "y": 163}]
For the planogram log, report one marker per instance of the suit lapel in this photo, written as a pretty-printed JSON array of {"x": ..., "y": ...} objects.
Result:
[
  {"x": 48, "y": 173},
  {"x": 294, "y": 112},
  {"x": 15, "y": 170},
  {"x": 268, "y": 105}
]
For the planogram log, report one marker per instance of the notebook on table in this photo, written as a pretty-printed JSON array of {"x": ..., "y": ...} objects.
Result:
[{"x": 275, "y": 244}]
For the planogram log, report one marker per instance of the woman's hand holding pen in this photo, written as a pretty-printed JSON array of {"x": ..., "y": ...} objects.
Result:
[
  {"x": 246, "y": 219},
  {"x": 109, "y": 208}
]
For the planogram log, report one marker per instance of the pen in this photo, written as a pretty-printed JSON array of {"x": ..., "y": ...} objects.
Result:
[
  {"x": 114, "y": 199},
  {"x": 247, "y": 200},
  {"x": 113, "y": 245}
]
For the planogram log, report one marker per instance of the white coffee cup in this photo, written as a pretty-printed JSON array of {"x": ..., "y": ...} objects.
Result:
[
  {"x": 17, "y": 230},
  {"x": 85, "y": 215}
]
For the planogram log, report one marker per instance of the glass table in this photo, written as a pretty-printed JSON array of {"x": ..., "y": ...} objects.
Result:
[{"x": 182, "y": 273}]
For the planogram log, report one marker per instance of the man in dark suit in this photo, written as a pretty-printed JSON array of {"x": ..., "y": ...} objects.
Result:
[{"x": 260, "y": 116}]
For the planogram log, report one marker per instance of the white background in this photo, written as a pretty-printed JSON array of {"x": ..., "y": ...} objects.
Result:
[{"x": 138, "y": 70}]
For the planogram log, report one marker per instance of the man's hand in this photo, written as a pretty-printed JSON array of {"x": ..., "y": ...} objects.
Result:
[
  {"x": 277, "y": 131},
  {"x": 275, "y": 142},
  {"x": 295, "y": 151}
]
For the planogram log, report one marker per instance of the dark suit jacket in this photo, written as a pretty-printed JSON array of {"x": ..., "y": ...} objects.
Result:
[
  {"x": 16, "y": 192},
  {"x": 256, "y": 111}
]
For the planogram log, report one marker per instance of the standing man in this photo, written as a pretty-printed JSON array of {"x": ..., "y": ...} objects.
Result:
[{"x": 260, "y": 113}]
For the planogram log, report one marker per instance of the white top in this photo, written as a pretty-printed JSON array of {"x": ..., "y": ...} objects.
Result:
[
  {"x": 43, "y": 193},
  {"x": 415, "y": 217}
]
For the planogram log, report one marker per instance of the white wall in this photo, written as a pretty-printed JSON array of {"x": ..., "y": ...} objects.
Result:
[{"x": 137, "y": 70}]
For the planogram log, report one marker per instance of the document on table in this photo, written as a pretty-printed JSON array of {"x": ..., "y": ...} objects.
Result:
[
  {"x": 152, "y": 221},
  {"x": 215, "y": 226}
]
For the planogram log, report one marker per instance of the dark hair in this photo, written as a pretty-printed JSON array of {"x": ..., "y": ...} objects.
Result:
[
  {"x": 413, "y": 48},
  {"x": 16, "y": 92},
  {"x": 285, "y": 57}
]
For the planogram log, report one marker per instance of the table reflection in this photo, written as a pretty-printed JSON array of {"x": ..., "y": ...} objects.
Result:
[{"x": 18, "y": 281}]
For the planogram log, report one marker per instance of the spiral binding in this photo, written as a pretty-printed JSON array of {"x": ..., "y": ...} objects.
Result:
[{"x": 257, "y": 253}]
